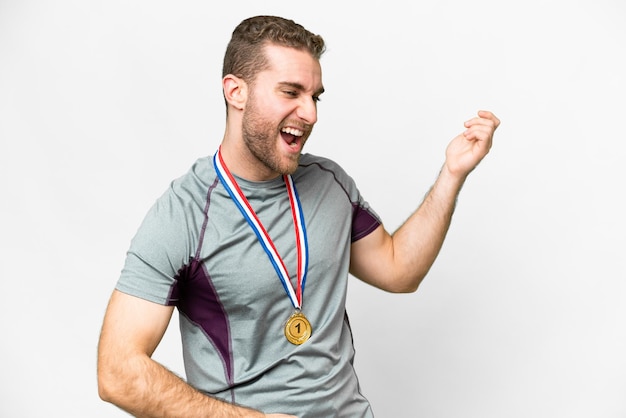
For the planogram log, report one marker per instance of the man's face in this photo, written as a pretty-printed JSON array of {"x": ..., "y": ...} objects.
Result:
[{"x": 281, "y": 110}]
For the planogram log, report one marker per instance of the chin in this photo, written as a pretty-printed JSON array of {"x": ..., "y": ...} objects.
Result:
[{"x": 292, "y": 166}]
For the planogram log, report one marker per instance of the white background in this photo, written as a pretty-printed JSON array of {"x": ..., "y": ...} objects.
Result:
[{"x": 103, "y": 103}]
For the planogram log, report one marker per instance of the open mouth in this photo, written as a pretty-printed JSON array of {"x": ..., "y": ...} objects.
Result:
[{"x": 291, "y": 136}]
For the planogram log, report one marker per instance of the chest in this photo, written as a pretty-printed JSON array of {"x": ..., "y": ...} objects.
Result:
[{"x": 239, "y": 268}]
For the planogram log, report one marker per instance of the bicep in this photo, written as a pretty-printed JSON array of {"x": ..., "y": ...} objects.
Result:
[
  {"x": 371, "y": 259},
  {"x": 132, "y": 325}
]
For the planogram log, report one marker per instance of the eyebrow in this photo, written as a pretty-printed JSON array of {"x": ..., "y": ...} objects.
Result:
[{"x": 299, "y": 87}]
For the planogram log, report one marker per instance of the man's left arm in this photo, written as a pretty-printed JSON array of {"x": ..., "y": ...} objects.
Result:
[{"x": 399, "y": 262}]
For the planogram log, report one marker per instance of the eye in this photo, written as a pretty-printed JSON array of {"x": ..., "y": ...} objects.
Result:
[
  {"x": 291, "y": 93},
  {"x": 317, "y": 99}
]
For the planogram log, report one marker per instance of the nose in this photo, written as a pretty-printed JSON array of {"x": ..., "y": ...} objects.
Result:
[{"x": 307, "y": 110}]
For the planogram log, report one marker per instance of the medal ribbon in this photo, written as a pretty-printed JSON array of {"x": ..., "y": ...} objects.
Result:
[{"x": 302, "y": 246}]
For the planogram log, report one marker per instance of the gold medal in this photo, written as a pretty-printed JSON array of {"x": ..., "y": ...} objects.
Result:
[{"x": 298, "y": 328}]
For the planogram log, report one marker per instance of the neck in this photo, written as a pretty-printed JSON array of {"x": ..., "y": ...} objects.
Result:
[{"x": 240, "y": 162}]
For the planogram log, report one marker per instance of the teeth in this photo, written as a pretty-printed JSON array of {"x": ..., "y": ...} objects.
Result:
[{"x": 293, "y": 131}]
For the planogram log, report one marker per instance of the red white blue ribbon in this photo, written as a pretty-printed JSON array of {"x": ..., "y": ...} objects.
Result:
[{"x": 231, "y": 186}]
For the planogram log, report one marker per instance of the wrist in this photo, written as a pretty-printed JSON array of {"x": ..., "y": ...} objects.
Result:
[{"x": 449, "y": 178}]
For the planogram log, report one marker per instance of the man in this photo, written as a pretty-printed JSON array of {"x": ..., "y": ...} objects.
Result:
[{"x": 254, "y": 246}]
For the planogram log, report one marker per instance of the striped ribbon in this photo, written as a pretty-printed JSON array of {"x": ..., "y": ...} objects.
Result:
[{"x": 229, "y": 182}]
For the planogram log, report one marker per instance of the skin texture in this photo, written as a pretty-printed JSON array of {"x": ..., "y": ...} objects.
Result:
[
  {"x": 255, "y": 148},
  {"x": 399, "y": 262}
]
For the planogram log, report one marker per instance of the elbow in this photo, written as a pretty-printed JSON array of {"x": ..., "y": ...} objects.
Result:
[
  {"x": 112, "y": 390},
  {"x": 407, "y": 285},
  {"x": 412, "y": 288},
  {"x": 111, "y": 385},
  {"x": 104, "y": 394},
  {"x": 106, "y": 387}
]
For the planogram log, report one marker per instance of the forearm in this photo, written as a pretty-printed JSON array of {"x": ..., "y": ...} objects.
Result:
[
  {"x": 399, "y": 262},
  {"x": 145, "y": 388},
  {"x": 416, "y": 244}
]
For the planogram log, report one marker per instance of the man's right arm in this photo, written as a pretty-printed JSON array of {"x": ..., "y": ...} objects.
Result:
[{"x": 130, "y": 379}]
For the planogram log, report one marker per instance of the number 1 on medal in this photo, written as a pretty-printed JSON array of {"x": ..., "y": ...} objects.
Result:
[{"x": 298, "y": 328}]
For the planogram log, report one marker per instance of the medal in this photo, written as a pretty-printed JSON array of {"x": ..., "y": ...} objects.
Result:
[{"x": 298, "y": 328}]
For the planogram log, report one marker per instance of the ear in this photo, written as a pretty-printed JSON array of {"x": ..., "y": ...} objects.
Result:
[{"x": 235, "y": 91}]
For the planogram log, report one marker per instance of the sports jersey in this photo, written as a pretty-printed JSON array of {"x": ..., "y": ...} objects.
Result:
[{"x": 194, "y": 250}]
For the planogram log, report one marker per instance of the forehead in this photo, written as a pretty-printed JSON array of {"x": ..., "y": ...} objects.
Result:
[{"x": 290, "y": 65}]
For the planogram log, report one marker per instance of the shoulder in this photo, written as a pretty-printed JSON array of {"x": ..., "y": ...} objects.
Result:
[
  {"x": 307, "y": 160},
  {"x": 189, "y": 191},
  {"x": 322, "y": 176},
  {"x": 181, "y": 207},
  {"x": 197, "y": 179},
  {"x": 313, "y": 164}
]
